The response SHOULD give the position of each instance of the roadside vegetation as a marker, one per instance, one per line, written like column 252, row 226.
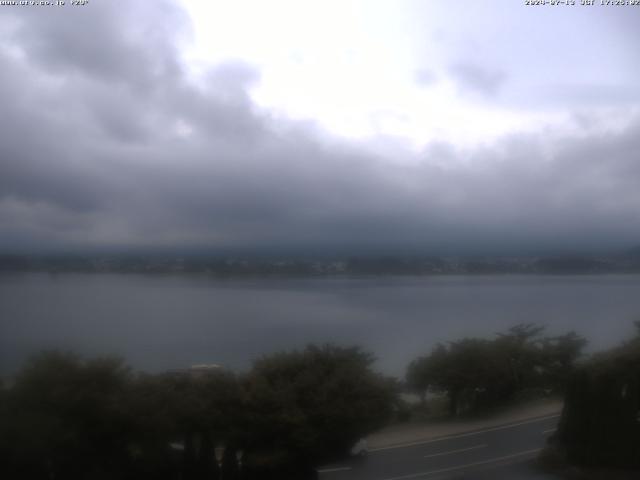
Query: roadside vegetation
column 476, row 374
column 64, row 417
column 600, row 423
column 68, row 418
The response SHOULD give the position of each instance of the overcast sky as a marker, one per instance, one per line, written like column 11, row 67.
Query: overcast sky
column 468, row 126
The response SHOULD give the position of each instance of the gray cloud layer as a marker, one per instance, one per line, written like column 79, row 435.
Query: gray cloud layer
column 106, row 143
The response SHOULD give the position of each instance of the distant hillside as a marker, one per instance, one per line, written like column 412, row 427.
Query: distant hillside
column 356, row 266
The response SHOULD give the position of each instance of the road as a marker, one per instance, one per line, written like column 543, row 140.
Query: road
column 499, row 452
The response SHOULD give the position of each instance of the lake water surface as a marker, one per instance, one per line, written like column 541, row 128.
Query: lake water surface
column 162, row 322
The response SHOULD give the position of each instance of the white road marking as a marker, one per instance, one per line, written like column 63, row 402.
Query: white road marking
column 544, row 432
column 337, row 469
column 462, row 435
column 484, row 445
column 468, row 465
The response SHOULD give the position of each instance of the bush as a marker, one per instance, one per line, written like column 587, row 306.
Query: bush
column 600, row 423
column 69, row 418
column 317, row 402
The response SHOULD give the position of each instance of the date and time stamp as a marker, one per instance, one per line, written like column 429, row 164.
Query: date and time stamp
column 45, row 3
column 584, row 3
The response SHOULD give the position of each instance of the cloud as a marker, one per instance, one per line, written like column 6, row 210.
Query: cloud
column 135, row 45
column 477, row 78
column 425, row 77
column 125, row 149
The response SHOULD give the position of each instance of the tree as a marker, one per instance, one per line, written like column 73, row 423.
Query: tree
column 478, row 373
column 559, row 356
column 66, row 419
column 193, row 409
column 469, row 371
column 306, row 406
column 427, row 372
column 520, row 347
column 600, row 420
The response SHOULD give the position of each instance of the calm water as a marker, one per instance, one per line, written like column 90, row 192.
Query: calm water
column 161, row 322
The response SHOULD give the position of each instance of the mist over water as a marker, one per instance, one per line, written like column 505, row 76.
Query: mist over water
column 163, row 322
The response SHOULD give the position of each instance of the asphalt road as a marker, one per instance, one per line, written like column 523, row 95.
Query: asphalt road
column 503, row 452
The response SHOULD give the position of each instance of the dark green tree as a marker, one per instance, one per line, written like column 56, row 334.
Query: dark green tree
column 65, row 418
column 192, row 410
column 600, row 421
column 558, row 358
column 428, row 372
column 478, row 373
column 306, row 406
column 469, row 371
column 521, row 349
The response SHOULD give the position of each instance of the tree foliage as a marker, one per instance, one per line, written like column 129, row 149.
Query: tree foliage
column 316, row 402
column 600, row 423
column 68, row 418
column 65, row 417
column 476, row 373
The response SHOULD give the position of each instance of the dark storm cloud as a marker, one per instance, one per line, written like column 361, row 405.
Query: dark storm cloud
column 36, row 163
column 108, row 143
column 112, row 42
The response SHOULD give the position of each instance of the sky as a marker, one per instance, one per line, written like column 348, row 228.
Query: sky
column 374, row 125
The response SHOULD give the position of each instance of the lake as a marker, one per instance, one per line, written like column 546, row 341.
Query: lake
column 170, row 321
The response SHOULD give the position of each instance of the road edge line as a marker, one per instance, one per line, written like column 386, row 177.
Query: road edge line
column 462, row 435
column 468, row 465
